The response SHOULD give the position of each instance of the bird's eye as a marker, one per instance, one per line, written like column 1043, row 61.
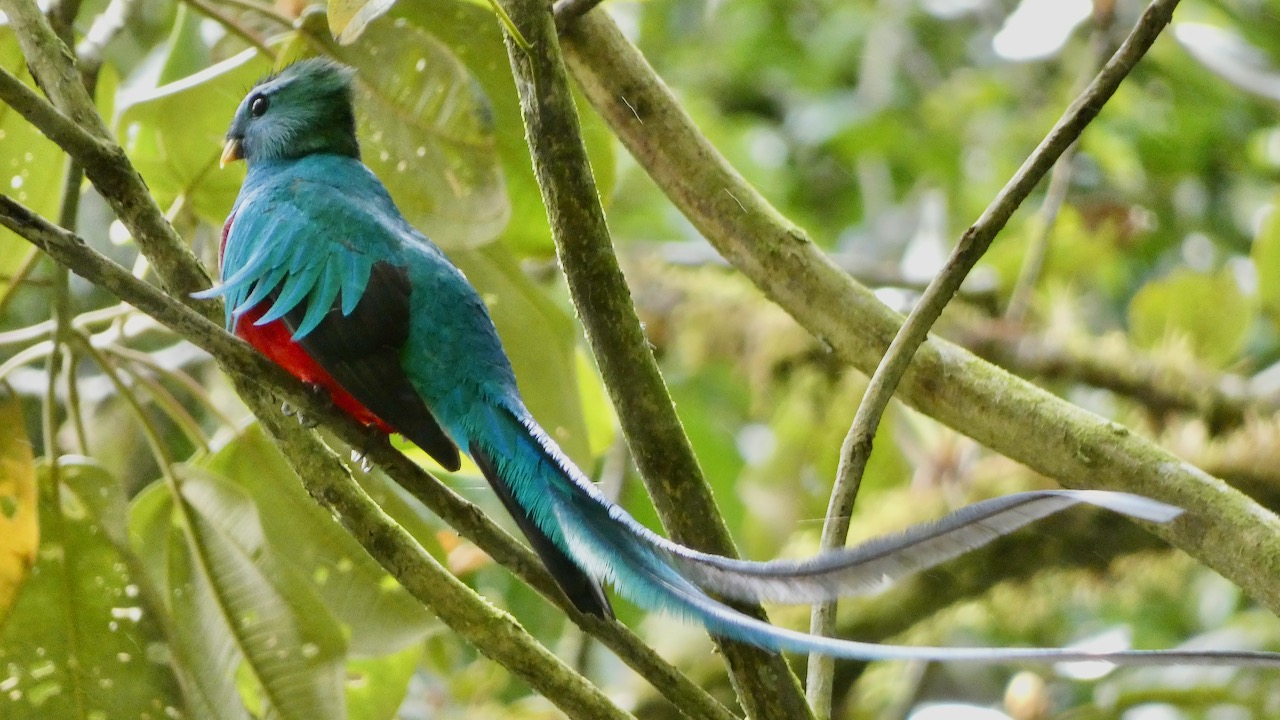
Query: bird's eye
column 258, row 106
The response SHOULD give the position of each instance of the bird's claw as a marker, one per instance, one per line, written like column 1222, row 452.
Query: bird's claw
column 307, row 422
column 361, row 458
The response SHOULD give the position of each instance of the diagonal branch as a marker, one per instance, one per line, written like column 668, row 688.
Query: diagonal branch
column 856, row 449
column 662, row 452
column 1011, row 416
column 337, row 491
column 324, row 476
column 105, row 164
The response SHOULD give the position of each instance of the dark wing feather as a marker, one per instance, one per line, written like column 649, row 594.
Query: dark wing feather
column 585, row 593
column 362, row 352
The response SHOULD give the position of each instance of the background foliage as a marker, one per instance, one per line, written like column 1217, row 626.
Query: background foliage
column 182, row 570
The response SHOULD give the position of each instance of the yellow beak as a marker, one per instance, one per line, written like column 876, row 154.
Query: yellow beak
column 230, row 153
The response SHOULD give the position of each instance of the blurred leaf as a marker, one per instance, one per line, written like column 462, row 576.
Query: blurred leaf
column 1231, row 57
column 1208, row 309
column 181, row 158
column 380, row 615
column 80, row 642
column 426, row 130
column 30, row 163
column 187, row 53
column 287, row 637
column 231, row 600
column 205, row 664
column 1266, row 260
column 468, row 29
column 19, row 516
column 376, row 687
column 348, row 18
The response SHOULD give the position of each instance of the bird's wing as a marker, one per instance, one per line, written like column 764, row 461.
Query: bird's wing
column 325, row 262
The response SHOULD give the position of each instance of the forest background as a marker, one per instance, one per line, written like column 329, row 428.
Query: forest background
column 182, row 570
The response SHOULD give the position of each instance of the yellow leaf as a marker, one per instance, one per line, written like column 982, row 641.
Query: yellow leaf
column 19, row 527
column 348, row 18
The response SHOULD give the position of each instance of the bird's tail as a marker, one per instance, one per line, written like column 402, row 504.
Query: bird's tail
column 608, row 544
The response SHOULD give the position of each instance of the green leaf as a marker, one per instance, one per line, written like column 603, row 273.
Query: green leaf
column 204, row 656
column 288, row 638
column 81, row 643
column 348, row 18
column 426, row 129
column 1266, row 258
column 19, row 516
column 232, row 601
column 187, row 53
column 376, row 687
column 30, row 164
column 181, row 158
column 1209, row 310
column 381, row 616
column 469, row 31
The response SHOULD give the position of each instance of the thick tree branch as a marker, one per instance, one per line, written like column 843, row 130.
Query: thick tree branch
column 1056, row 438
column 1160, row 384
column 765, row 684
column 241, row 362
column 116, row 179
column 179, row 269
column 566, row 11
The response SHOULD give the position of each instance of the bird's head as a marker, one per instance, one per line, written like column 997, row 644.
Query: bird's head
column 302, row 110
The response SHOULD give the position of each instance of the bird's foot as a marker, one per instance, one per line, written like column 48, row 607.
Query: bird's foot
column 304, row 420
column 360, row 455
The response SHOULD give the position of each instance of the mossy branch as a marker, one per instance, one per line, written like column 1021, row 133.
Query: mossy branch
column 766, row 686
column 1222, row 528
column 492, row 631
column 256, row 379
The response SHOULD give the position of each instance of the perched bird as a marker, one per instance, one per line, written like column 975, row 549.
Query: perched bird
column 322, row 273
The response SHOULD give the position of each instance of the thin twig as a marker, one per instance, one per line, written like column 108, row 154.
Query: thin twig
column 165, row 401
column 264, row 10
column 188, row 383
column 856, row 449
column 20, row 276
column 1059, row 182
column 234, row 26
column 82, row 321
column 150, row 432
column 76, row 413
column 1038, row 250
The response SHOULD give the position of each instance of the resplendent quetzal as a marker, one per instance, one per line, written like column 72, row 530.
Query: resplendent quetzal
column 322, row 273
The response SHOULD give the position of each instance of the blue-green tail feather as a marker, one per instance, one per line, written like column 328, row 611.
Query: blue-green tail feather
column 612, row 546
